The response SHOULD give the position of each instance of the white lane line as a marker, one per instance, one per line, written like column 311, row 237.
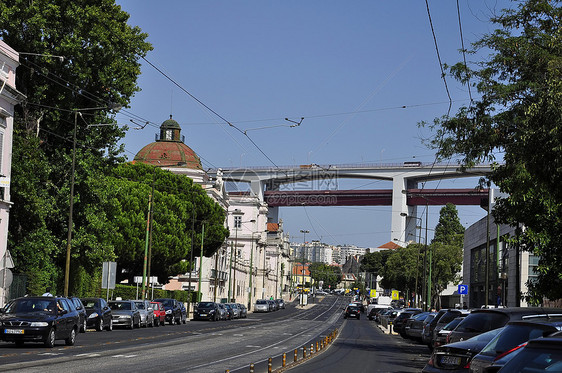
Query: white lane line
column 88, row 354
column 250, row 346
column 51, row 353
column 125, row 356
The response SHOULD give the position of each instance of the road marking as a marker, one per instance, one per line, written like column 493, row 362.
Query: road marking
column 51, row 353
column 238, row 335
column 250, row 346
column 88, row 354
column 125, row 356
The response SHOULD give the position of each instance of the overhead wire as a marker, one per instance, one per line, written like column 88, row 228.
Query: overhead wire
column 209, row 108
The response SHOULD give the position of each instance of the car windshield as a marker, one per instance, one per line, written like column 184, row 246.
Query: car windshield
column 482, row 322
column 166, row 302
column 511, row 336
column 448, row 317
column 453, row 324
column 90, row 303
column 261, row 302
column 140, row 305
column 205, row 305
column 126, row 306
column 31, row 305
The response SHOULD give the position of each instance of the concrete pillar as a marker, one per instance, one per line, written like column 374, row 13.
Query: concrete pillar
column 403, row 223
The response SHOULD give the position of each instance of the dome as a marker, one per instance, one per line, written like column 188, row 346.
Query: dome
column 169, row 150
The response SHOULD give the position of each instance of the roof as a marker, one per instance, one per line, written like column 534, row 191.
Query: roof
column 272, row 227
column 170, row 154
column 390, row 245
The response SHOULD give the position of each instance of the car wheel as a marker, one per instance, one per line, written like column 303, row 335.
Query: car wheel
column 110, row 325
column 83, row 327
column 138, row 325
column 132, row 324
column 100, row 325
column 50, row 340
column 184, row 321
column 156, row 322
column 71, row 338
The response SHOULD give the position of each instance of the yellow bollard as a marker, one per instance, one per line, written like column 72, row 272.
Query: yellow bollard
column 284, row 359
column 252, row 368
column 316, row 346
column 304, row 352
column 269, row 365
column 296, row 357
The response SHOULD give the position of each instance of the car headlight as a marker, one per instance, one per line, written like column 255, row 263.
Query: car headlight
column 37, row 324
column 168, row 312
column 212, row 311
column 93, row 315
column 125, row 316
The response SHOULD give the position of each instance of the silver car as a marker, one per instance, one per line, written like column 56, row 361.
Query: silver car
column 261, row 305
column 146, row 312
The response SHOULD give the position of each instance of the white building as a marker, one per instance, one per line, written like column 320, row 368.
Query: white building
column 9, row 97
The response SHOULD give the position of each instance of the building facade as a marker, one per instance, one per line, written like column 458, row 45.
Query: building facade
column 9, row 98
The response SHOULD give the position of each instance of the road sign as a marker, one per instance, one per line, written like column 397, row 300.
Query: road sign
column 109, row 271
column 373, row 293
column 463, row 289
column 395, row 295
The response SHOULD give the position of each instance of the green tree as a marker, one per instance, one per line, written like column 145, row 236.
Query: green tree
column 180, row 209
column 518, row 115
column 375, row 262
column 98, row 67
column 401, row 269
column 449, row 229
column 330, row 275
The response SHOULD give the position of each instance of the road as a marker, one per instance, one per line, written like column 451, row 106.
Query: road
column 201, row 346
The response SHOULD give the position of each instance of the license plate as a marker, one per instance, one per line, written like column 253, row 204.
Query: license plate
column 203, row 315
column 13, row 331
column 450, row 360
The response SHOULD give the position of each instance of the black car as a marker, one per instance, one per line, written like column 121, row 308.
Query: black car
column 539, row 355
column 352, row 310
column 455, row 357
column 447, row 317
column 206, row 311
column 39, row 319
column 173, row 310
column 398, row 323
column 77, row 304
column 482, row 320
column 99, row 314
column 513, row 335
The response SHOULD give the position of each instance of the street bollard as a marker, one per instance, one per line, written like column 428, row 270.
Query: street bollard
column 311, row 348
column 284, row 359
column 227, row 371
column 252, row 368
column 269, row 365
column 316, row 346
column 304, row 352
column 296, row 357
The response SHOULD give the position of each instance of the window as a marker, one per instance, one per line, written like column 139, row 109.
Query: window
column 237, row 222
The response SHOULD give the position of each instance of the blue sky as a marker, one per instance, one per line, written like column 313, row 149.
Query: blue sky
column 362, row 73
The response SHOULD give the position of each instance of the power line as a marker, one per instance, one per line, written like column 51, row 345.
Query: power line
column 208, row 108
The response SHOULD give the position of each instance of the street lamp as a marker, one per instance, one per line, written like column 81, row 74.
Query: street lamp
column 251, row 270
column 304, row 232
column 77, row 112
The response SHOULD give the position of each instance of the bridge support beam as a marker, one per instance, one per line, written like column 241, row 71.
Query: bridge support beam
column 403, row 225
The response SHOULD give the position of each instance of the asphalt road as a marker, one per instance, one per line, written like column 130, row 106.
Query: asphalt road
column 201, row 346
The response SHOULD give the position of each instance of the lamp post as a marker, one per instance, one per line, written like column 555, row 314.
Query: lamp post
column 304, row 232
column 71, row 202
column 251, row 271
column 201, row 263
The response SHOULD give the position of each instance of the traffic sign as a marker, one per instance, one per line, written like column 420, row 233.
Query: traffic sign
column 395, row 295
column 463, row 289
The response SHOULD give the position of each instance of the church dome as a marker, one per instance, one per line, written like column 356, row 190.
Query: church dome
column 169, row 150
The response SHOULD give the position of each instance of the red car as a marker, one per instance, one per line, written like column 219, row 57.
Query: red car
column 159, row 313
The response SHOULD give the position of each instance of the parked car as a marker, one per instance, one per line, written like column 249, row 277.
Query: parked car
column 229, row 310
column 99, row 314
column 514, row 335
column 159, row 313
column 183, row 313
column 280, row 303
column 398, row 323
column 539, row 355
column 272, row 305
column 455, row 357
column 482, row 320
column 125, row 313
column 207, row 311
column 426, row 335
column 146, row 312
column 352, row 310
column 173, row 310
column 441, row 337
column 224, row 314
column 77, row 304
column 243, row 311
column 374, row 309
column 414, row 326
column 262, row 305
column 39, row 319
column 235, row 310
column 446, row 318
